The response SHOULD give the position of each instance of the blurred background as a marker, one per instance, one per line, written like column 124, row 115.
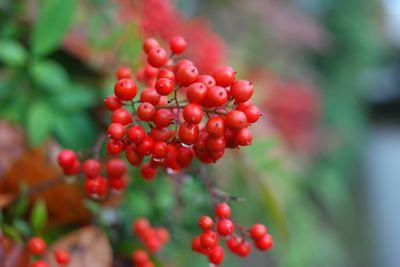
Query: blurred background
column 323, row 170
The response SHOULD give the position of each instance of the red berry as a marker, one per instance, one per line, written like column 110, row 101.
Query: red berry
column 216, row 255
column 164, row 86
column 146, row 146
column 183, row 62
column 125, row 89
column 242, row 90
column 209, row 240
column 196, row 93
column 62, row 257
column 114, row 147
column 186, row 75
column 184, row 156
column 205, row 223
column 140, row 225
column 162, row 235
column 134, row 158
column 91, row 168
column 163, row 118
column 37, row 246
column 121, row 115
column 236, row 120
column 146, row 111
column 196, row 246
column 265, row 243
column 39, row 263
column 215, row 144
column 140, row 257
column 123, row 73
column 201, row 141
column 217, row 96
column 258, row 231
column 136, row 134
column 96, row 186
column 75, row 169
column 177, row 45
column 116, row 168
column 225, row 227
column 188, row 133
column 166, row 73
column 160, row 150
column 149, row 72
column 66, row 158
column 233, row 243
column 215, row 126
column 243, row 249
column 149, row 44
column 150, row 95
column 117, row 183
column 243, row 105
column 207, row 80
column 224, row 76
column 148, row 264
column 243, row 137
column 157, row 57
column 116, row 131
column 252, row 114
column 148, row 172
column 193, row 113
column 222, row 210
column 112, row 102
column 161, row 134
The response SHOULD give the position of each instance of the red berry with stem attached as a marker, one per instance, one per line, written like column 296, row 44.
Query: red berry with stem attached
column 207, row 80
column 205, row 223
column 186, row 75
column 91, row 168
column 112, row 102
column 123, row 73
column 146, row 111
column 39, row 263
column 160, row 150
column 66, row 158
column 149, row 44
column 134, row 158
column 225, row 227
column 184, row 156
column 188, row 133
column 116, row 168
column 116, row 131
column 121, row 115
column 215, row 126
column 140, row 257
column 193, row 113
column 243, row 137
column 242, row 90
column 177, row 45
column 216, row 255
column 157, row 57
column 163, row 118
column 196, row 93
column 114, row 147
column 252, row 113
column 258, row 231
column 224, row 76
column 62, row 257
column 217, row 96
column 125, row 89
column 148, row 172
column 36, row 246
column 236, row 120
column 222, row 210
column 146, row 146
column 164, row 86
column 150, row 95
column 265, row 243
column 209, row 240
column 136, row 134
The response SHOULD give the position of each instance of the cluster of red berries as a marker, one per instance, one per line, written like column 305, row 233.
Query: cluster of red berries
column 180, row 115
column 153, row 239
column 96, row 185
column 37, row 247
column 207, row 243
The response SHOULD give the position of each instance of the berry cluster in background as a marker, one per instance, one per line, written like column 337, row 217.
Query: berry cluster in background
column 37, row 248
column 224, row 228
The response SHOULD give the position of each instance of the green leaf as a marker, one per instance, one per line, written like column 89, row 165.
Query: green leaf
column 22, row 227
column 12, row 53
column 39, row 122
column 11, row 232
column 21, row 205
column 50, row 76
column 53, row 22
column 38, row 216
column 74, row 99
column 92, row 206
